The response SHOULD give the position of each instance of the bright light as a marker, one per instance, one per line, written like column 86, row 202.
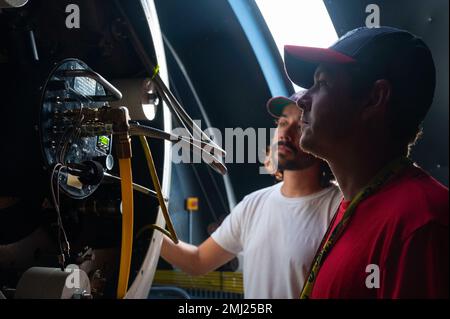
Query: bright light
column 298, row 22
column 149, row 111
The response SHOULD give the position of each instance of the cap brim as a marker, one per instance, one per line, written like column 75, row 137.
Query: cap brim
column 276, row 105
column 301, row 62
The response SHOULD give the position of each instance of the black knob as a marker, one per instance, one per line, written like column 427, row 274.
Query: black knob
column 92, row 173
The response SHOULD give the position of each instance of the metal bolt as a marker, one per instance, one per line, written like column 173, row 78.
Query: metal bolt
column 86, row 296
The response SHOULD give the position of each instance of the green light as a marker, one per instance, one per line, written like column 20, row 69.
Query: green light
column 103, row 140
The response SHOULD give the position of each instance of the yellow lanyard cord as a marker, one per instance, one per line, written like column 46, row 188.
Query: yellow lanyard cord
column 388, row 171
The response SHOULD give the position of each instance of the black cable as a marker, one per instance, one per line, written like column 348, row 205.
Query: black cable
column 222, row 200
column 61, row 231
column 142, row 53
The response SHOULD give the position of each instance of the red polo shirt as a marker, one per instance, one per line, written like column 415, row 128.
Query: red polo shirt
column 402, row 229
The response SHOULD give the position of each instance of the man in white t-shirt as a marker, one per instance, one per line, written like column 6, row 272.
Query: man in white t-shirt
column 279, row 228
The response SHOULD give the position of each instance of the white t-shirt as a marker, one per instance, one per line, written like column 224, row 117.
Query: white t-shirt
column 279, row 237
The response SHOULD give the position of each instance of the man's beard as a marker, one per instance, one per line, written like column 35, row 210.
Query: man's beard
column 299, row 161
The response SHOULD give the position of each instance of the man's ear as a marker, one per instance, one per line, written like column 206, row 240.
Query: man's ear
column 378, row 100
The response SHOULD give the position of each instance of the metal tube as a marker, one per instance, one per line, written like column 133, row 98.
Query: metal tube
column 33, row 45
column 190, row 227
column 212, row 161
column 93, row 75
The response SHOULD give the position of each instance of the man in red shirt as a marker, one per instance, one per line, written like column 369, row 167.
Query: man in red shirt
column 368, row 95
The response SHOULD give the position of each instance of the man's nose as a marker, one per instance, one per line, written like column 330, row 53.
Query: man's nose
column 304, row 102
column 288, row 132
column 283, row 135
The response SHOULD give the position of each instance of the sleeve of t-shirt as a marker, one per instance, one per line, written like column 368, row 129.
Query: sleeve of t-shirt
column 229, row 235
column 420, row 269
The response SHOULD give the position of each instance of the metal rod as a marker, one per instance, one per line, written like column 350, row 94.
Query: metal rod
column 190, row 227
column 210, row 159
column 136, row 187
column 95, row 76
column 33, row 45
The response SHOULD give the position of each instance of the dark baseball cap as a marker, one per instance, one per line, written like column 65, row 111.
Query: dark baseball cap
column 276, row 104
column 390, row 53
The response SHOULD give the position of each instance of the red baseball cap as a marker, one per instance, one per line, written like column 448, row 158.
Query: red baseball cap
column 386, row 50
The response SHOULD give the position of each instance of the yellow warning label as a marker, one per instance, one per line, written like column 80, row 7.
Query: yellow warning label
column 192, row 203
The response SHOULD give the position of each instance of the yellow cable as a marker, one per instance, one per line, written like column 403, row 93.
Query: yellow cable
column 127, row 225
column 151, row 166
